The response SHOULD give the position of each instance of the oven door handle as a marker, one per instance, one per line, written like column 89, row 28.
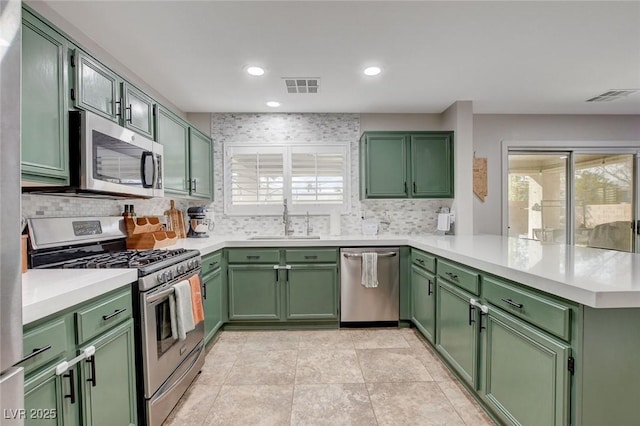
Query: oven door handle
column 158, row 296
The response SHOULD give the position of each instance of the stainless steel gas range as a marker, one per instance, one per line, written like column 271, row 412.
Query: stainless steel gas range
column 166, row 366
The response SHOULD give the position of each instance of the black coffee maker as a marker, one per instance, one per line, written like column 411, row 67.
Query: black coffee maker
column 199, row 223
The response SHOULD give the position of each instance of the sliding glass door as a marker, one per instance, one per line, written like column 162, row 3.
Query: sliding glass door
column 600, row 191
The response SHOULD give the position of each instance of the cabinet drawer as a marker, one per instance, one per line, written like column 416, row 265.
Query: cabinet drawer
column 423, row 260
column 103, row 315
column 462, row 277
column 254, row 256
column 311, row 255
column 49, row 340
column 211, row 262
column 545, row 313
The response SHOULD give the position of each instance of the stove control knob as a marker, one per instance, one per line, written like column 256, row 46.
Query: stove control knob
column 171, row 274
column 167, row 276
column 181, row 269
column 160, row 278
column 193, row 264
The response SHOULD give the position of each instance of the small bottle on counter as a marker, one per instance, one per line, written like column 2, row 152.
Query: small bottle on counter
column 132, row 213
column 126, row 213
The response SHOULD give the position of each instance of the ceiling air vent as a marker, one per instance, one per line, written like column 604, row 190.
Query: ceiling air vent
column 302, row 84
column 612, row 95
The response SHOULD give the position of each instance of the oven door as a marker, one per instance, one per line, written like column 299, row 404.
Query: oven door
column 162, row 354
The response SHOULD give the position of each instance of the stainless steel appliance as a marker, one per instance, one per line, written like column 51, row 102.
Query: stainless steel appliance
column 362, row 304
column 199, row 223
column 166, row 366
column 11, row 378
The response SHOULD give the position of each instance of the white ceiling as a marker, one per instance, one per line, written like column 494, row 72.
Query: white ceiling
column 507, row 57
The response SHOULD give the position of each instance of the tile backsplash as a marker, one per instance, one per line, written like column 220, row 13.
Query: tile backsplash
column 406, row 216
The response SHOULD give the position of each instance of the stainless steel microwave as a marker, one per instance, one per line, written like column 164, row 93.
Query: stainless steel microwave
column 107, row 158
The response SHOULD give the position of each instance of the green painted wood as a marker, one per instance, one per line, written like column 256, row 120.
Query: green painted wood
column 44, row 401
column 212, row 301
column 432, row 165
column 543, row 312
column 526, row 377
column 53, row 334
column 459, row 275
column 45, row 128
column 312, row 292
column 405, row 284
column 138, row 111
column 173, row 133
column 90, row 320
column 254, row 255
column 385, row 166
column 423, row 301
column 211, row 262
column 96, row 86
column 113, row 400
column 254, row 293
column 312, row 255
column 201, row 164
column 456, row 340
column 423, row 260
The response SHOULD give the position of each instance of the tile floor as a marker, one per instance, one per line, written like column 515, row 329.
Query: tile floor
column 325, row 377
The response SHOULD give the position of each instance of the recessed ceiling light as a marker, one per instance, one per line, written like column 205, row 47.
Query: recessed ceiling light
column 273, row 104
column 257, row 71
column 372, row 71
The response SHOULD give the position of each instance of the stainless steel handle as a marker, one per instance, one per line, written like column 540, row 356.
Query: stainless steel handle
column 358, row 255
column 159, row 296
column 512, row 303
column 92, row 377
column 130, row 119
column 116, row 312
column 195, row 185
column 35, row 352
column 452, row 275
column 430, row 288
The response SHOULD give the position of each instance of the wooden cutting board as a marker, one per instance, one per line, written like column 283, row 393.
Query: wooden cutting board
column 176, row 220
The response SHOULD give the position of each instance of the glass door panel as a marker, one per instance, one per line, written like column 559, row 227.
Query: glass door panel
column 604, row 196
column 537, row 196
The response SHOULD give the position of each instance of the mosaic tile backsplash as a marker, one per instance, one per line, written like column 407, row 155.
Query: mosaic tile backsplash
column 406, row 216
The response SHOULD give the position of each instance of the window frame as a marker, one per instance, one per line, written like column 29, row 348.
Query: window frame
column 286, row 148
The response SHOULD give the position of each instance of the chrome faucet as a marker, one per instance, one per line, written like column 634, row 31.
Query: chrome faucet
column 309, row 227
column 286, row 220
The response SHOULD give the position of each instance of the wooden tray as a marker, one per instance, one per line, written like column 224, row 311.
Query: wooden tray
column 143, row 224
column 151, row 240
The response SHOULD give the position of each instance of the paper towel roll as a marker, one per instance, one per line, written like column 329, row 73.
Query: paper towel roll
column 334, row 222
column 444, row 222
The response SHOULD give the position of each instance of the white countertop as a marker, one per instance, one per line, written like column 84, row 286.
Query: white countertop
column 592, row 277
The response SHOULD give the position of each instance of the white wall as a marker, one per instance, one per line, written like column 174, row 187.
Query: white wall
column 201, row 120
column 490, row 129
column 400, row 122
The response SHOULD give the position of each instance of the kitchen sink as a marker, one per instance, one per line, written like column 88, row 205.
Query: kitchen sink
column 282, row 237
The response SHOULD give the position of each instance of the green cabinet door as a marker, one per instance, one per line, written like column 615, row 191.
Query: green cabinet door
column 173, row 133
column 45, row 139
column 385, row 166
column 423, row 301
column 96, row 87
column 212, row 300
column 201, row 161
column 254, row 293
column 526, row 380
column 47, row 399
column 109, row 383
column 432, row 165
column 138, row 111
column 457, row 331
column 312, row 292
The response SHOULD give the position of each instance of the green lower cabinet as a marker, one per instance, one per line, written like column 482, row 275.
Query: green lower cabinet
column 253, row 293
column 526, row 381
column 108, row 388
column 457, row 331
column 47, row 399
column 312, row 292
column 423, row 302
column 212, row 301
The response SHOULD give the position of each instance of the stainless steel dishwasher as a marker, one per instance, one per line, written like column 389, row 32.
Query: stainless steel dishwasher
column 361, row 304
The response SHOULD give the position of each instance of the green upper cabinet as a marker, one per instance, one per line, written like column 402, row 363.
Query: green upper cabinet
column 431, row 166
column 96, row 87
column 138, row 110
column 173, row 133
column 406, row 165
column 200, row 164
column 45, row 138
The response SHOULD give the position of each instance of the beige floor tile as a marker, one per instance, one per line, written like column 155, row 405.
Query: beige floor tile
column 223, row 347
column 418, row 403
column 392, row 365
column 464, row 404
column 234, row 336
column 434, row 366
column 378, row 338
column 263, row 368
column 252, row 405
column 272, row 341
column 332, row 405
column 214, row 373
column 326, row 339
column 194, row 406
column 328, row 366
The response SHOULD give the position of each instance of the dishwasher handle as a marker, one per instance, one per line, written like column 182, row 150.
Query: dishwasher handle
column 359, row 255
